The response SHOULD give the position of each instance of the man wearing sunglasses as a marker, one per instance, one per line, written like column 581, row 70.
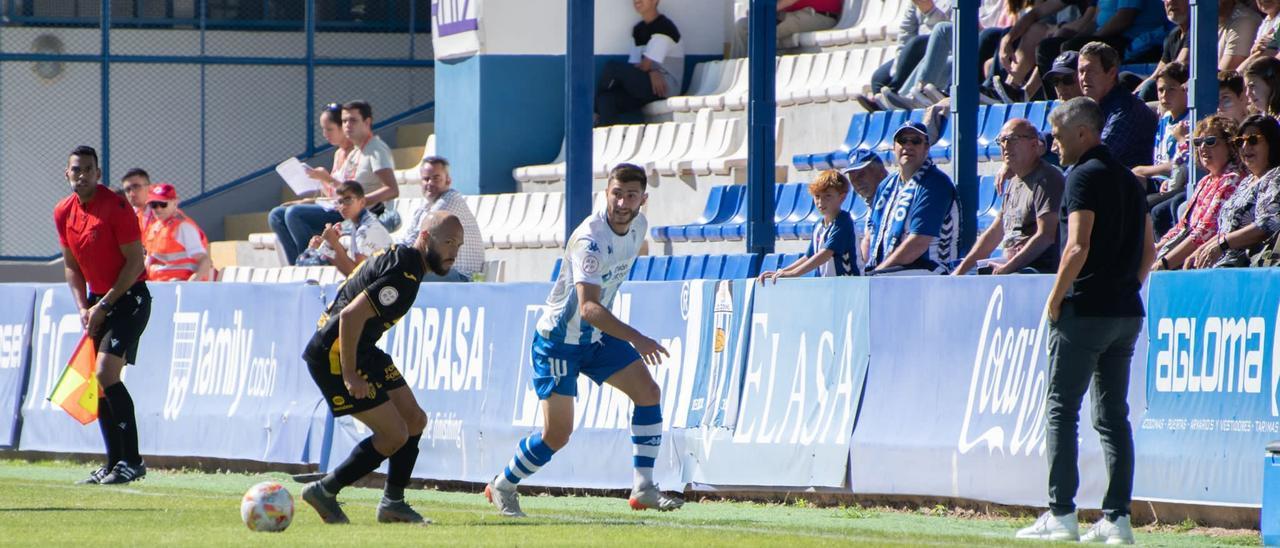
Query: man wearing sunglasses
column 1062, row 77
column 915, row 223
column 177, row 250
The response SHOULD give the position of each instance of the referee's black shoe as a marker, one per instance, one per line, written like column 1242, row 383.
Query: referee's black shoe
column 125, row 473
column 96, row 476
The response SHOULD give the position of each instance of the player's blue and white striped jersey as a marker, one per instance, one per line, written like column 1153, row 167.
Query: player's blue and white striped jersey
column 594, row 255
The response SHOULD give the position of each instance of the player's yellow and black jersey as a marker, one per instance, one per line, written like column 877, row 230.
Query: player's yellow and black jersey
column 389, row 280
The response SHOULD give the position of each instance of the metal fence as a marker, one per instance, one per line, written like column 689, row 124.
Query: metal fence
column 200, row 93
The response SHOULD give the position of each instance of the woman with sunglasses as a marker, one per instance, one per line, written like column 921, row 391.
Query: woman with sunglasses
column 297, row 221
column 1200, row 223
column 1252, row 213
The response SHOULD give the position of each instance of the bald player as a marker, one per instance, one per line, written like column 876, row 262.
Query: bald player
column 356, row 378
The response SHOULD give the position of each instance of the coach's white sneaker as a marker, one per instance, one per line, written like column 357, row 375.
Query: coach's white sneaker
column 506, row 501
column 1110, row 532
column 644, row 498
column 1051, row 527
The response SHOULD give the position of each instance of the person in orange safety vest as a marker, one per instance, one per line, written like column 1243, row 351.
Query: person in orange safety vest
column 177, row 249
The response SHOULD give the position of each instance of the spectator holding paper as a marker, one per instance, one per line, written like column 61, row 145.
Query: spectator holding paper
column 297, row 221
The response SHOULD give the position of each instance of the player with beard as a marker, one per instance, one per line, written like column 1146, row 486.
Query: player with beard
column 578, row 334
column 357, row 378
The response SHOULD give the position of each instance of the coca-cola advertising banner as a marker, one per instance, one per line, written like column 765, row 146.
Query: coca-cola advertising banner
column 955, row 396
column 1213, row 386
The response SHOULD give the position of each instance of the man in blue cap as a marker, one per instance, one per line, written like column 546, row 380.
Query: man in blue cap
column 865, row 172
column 914, row 226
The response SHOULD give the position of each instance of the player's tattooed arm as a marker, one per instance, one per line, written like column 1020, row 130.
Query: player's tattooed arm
column 350, row 326
column 601, row 318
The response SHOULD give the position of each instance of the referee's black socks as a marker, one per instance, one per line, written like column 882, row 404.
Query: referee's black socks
column 400, row 467
column 363, row 460
column 110, row 431
column 123, row 422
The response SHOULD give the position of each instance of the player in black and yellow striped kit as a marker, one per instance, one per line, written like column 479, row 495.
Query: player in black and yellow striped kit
column 357, row 378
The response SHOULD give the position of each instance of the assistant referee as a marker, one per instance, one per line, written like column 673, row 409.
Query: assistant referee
column 102, row 249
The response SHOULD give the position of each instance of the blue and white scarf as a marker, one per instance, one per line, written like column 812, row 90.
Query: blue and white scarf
column 898, row 198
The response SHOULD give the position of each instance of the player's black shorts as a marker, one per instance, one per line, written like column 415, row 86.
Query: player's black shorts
column 125, row 323
column 372, row 364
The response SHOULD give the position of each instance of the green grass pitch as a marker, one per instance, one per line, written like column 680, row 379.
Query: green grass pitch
column 41, row 506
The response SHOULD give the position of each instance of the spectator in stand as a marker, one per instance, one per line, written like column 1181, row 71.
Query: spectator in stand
column 923, row 87
column 1014, row 77
column 346, row 244
column 1252, row 214
column 1062, row 77
column 1232, row 102
column 137, row 187
column 1135, row 29
column 1175, row 45
column 1262, row 86
column 794, row 16
column 1026, row 227
column 177, row 250
column 919, row 20
column 833, row 250
column 1130, row 125
column 370, row 164
column 437, row 187
column 1095, row 314
column 1171, row 79
column 295, row 222
column 1267, row 43
column 865, row 172
column 914, row 225
column 1218, row 157
column 1237, row 29
column 654, row 70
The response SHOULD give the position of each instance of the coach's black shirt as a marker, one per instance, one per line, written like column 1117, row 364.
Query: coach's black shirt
column 1108, row 284
column 389, row 280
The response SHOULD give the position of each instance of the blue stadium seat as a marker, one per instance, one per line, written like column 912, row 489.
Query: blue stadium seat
column 877, row 126
column 884, row 147
column 858, row 208
column 740, row 266
column 800, row 226
column 771, row 262
column 736, row 228
column 996, row 115
column 658, row 268
column 676, row 234
column 853, row 136
column 640, row 268
column 941, row 150
column 787, row 201
column 676, row 267
column 712, row 268
column 991, row 152
column 1038, row 114
column 733, row 201
column 697, row 264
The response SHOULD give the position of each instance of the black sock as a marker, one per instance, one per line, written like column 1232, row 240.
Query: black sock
column 364, row 459
column 400, row 468
column 110, row 432
column 124, row 422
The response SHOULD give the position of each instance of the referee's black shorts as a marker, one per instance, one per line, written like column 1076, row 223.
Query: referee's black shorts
column 124, row 325
column 374, row 365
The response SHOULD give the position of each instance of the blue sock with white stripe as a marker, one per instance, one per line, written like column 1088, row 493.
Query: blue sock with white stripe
column 531, row 455
column 646, row 436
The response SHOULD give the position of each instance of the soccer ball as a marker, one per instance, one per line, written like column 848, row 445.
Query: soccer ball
column 267, row 506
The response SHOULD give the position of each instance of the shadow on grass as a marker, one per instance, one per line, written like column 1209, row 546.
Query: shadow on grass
column 70, row 509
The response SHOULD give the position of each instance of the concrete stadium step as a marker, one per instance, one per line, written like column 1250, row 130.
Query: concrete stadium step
column 240, row 226
column 407, row 157
column 414, row 134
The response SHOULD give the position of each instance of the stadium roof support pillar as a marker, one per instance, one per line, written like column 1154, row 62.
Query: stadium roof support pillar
column 964, row 115
column 762, row 44
column 1203, row 86
column 579, row 64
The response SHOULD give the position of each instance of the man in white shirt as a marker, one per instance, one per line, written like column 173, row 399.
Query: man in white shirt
column 578, row 334
column 370, row 162
column 654, row 70
column 437, row 186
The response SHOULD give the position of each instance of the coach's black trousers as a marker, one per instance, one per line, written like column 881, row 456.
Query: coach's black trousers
column 1090, row 353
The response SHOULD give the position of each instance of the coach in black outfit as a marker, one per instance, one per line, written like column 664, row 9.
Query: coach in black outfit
column 1095, row 315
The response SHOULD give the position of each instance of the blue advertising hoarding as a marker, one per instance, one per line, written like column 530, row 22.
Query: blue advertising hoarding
column 15, row 343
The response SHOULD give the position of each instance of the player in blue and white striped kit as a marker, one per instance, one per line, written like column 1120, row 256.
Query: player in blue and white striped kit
column 578, row 334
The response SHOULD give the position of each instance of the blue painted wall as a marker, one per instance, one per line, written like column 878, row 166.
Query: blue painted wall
column 495, row 113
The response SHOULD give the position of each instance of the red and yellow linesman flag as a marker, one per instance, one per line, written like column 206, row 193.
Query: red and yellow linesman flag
column 76, row 391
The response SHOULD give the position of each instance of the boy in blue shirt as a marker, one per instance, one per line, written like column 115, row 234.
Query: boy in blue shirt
column 834, row 247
